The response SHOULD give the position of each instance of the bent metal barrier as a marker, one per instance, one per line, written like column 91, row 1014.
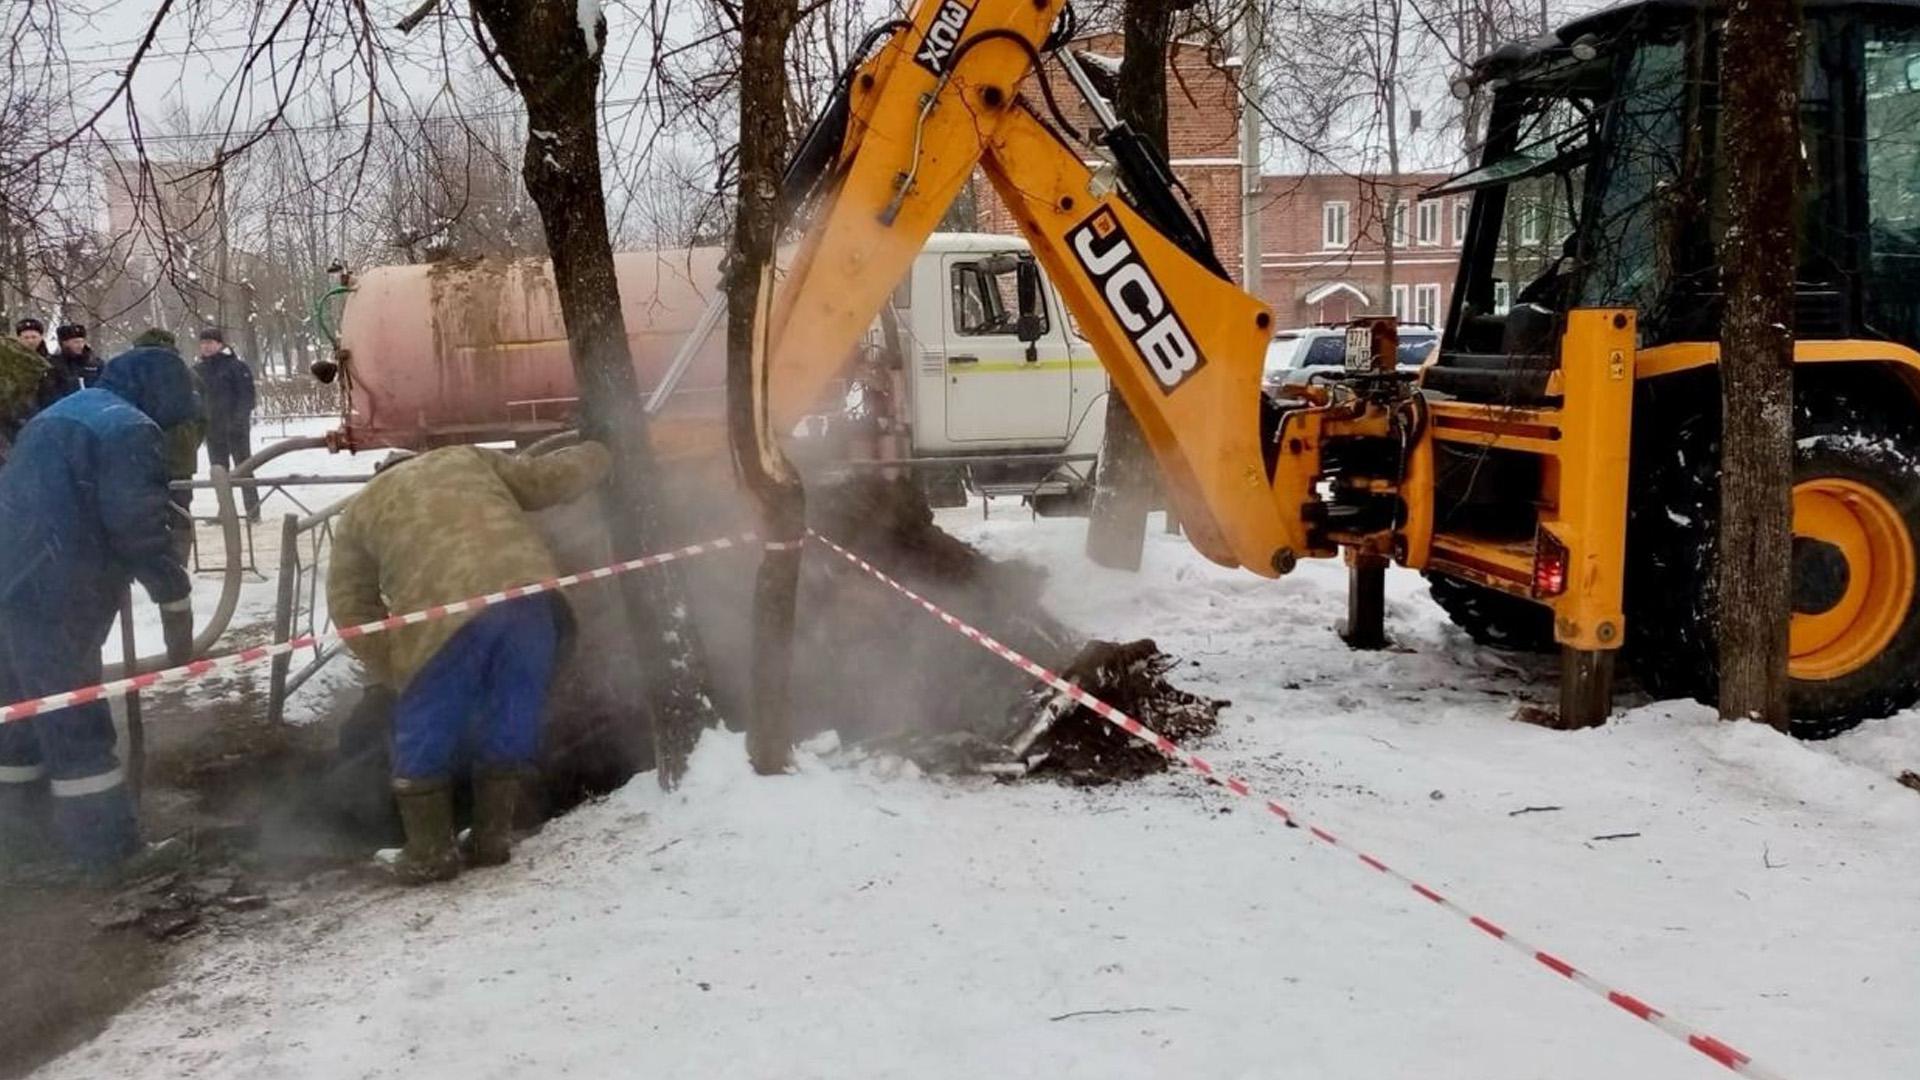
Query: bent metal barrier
column 1707, row 1045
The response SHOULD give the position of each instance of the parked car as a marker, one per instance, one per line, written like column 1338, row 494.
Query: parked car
column 1295, row 356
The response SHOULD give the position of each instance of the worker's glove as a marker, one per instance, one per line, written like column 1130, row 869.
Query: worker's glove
column 176, row 624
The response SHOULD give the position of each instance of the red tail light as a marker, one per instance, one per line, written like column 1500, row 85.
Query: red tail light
column 1549, row 565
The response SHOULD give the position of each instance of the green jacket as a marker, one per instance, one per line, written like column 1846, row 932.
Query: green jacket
column 449, row 524
column 21, row 373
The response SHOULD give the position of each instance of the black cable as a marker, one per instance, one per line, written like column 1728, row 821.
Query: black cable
column 885, row 29
column 1039, row 71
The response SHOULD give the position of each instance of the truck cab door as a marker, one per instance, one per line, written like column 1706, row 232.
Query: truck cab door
column 1009, row 377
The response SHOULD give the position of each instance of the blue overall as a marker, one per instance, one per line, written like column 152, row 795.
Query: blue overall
column 83, row 511
column 483, row 692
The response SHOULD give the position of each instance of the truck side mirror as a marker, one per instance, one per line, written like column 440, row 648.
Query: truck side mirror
column 1033, row 308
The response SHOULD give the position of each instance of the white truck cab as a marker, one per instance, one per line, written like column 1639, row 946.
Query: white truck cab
column 991, row 368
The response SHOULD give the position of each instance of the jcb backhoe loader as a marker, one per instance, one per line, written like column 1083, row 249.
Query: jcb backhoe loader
column 1553, row 471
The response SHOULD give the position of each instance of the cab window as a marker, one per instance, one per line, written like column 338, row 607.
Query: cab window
column 986, row 301
column 1892, row 152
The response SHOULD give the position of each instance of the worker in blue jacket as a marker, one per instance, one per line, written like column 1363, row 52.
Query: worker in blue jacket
column 83, row 511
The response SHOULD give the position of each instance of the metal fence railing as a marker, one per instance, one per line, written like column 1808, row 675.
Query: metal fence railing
column 306, row 541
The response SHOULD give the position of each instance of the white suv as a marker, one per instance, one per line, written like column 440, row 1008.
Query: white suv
column 1295, row 356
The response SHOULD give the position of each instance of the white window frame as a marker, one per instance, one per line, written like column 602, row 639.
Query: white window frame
column 1462, row 212
column 1400, row 302
column 1428, row 297
column 1428, row 223
column 1397, row 229
column 1532, row 222
column 1502, row 297
column 1335, row 221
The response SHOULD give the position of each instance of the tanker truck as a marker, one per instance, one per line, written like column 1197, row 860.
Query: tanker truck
column 972, row 375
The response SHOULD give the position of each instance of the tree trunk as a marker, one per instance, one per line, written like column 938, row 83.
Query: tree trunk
column 1760, row 84
column 557, row 73
column 764, row 28
column 1126, row 479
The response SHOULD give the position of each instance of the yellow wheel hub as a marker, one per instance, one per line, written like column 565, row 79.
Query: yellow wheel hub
column 1854, row 540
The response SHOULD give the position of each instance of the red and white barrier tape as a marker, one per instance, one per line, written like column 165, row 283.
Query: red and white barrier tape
column 199, row 668
column 1698, row 1040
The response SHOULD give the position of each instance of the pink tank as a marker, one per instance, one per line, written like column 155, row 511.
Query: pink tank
column 475, row 351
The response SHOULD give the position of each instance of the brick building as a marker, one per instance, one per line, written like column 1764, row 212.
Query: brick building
column 1203, row 128
column 1322, row 236
column 1323, row 249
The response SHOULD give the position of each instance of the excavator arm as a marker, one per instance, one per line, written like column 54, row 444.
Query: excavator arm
column 1181, row 343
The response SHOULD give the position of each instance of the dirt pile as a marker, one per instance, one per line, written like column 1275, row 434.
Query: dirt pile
column 1072, row 741
column 893, row 678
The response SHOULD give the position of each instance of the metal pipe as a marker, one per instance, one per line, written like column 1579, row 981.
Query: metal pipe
column 289, row 480
column 559, row 440
column 283, row 617
column 136, row 725
column 307, row 523
column 274, row 450
column 982, row 459
column 689, row 347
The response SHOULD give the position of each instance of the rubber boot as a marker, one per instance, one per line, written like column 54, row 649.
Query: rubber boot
column 26, row 834
column 496, row 796
column 426, row 812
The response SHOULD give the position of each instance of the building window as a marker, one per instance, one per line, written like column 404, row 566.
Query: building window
column 1532, row 223
column 1399, row 230
column 1502, row 298
column 1400, row 301
column 1426, row 304
column 1428, row 223
column 1333, row 224
column 1461, row 208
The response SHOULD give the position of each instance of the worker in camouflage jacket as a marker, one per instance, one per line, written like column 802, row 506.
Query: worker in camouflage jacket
column 22, row 371
column 443, row 526
column 83, row 512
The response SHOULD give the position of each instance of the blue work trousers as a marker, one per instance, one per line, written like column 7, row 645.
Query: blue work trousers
column 486, row 689
column 66, row 755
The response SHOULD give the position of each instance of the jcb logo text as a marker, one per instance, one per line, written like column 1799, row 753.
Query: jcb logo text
column 1135, row 298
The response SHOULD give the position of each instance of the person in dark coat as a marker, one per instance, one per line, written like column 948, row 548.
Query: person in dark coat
column 228, row 384
column 83, row 512
column 83, row 367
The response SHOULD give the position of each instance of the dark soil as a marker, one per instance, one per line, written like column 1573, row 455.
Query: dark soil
column 250, row 801
column 1130, row 677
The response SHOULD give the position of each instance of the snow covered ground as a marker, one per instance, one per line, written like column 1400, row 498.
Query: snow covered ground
column 857, row 919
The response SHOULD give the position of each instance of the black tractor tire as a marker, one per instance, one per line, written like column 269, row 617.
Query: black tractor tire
column 1673, row 538
column 1491, row 617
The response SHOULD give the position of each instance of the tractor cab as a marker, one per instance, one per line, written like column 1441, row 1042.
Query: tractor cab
column 1598, row 186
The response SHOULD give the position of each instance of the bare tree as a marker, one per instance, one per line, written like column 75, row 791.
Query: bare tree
column 764, row 29
column 1127, row 480
column 1760, row 79
column 551, row 51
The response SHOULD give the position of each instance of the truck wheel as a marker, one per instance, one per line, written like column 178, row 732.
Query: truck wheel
column 944, row 488
column 1854, row 649
column 1491, row 617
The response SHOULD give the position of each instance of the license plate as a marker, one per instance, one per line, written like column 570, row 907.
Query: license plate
column 1360, row 348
